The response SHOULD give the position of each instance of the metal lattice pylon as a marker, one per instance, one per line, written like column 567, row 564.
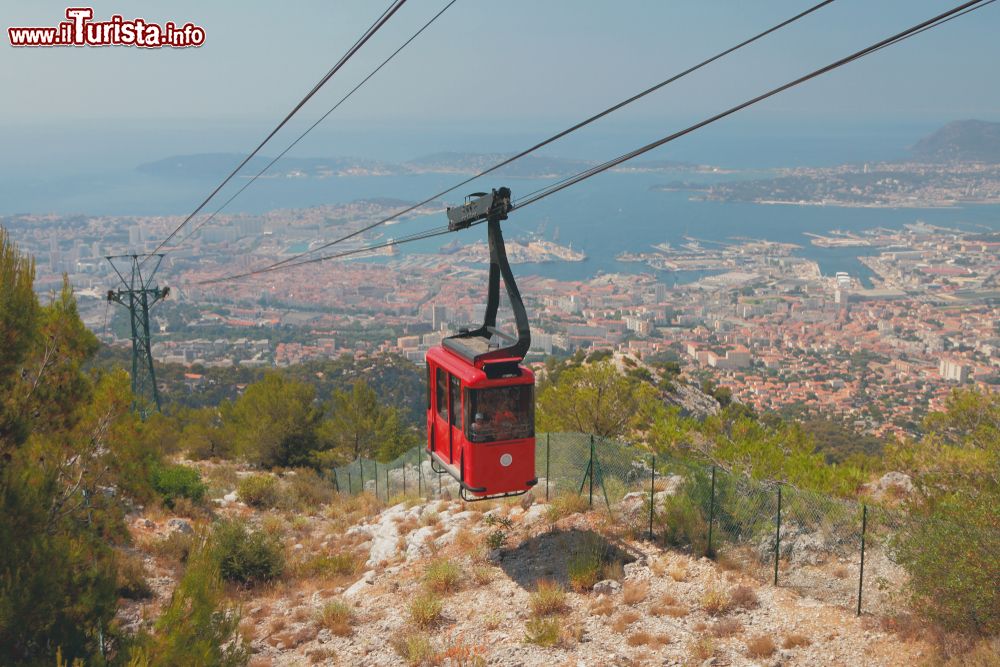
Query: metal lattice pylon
column 138, row 295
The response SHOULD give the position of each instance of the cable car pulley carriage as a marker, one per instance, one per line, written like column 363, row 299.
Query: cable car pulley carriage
column 480, row 399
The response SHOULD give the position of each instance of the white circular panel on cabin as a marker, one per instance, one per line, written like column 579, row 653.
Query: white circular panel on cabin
column 506, row 460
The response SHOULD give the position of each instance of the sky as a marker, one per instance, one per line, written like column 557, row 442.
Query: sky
column 512, row 69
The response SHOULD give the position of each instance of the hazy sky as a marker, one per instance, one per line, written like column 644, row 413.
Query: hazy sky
column 531, row 65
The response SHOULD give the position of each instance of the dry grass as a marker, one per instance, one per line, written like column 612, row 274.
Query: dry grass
column 415, row 649
column 743, row 597
column 564, row 505
column 337, row 617
column 795, row 640
column 248, row 630
column 634, row 592
column 643, row 638
column 425, row 609
column 659, row 567
column 626, row 619
column 727, row 627
column 761, row 646
column 543, row 631
column 550, row 598
column 295, row 638
column 603, row 606
column 640, row 638
column 613, row 570
column 442, row 576
column 668, row 605
column 482, row 574
column 840, row 572
column 678, row 572
column 429, row 518
column 715, row 602
column 702, row 648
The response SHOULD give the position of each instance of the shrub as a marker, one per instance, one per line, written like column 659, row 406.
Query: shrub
column 482, row 574
column 701, row 648
column 564, row 505
column 744, row 597
column 761, row 646
column 727, row 627
column 247, row 557
column 715, row 602
column 196, row 628
column 603, row 606
column 176, row 546
column 543, row 631
column 635, row 592
column 622, row 622
column 307, row 490
column 682, row 523
column 584, row 567
column 335, row 565
column 951, row 557
column 259, row 491
column 131, row 578
column 496, row 539
column 414, row 648
column 425, row 609
column 337, row 617
column 178, row 481
column 442, row 576
column 795, row 641
column 550, row 598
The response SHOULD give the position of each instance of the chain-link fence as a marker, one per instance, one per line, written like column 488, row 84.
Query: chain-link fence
column 832, row 549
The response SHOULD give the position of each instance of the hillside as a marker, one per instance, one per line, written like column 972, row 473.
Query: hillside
column 416, row 583
column 961, row 141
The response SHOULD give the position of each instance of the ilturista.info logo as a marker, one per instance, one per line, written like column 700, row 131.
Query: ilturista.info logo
column 80, row 29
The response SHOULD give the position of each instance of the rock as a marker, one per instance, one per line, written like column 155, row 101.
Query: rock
column 893, row 484
column 359, row 586
column 495, row 555
column 180, row 526
column 527, row 500
column 534, row 514
column 297, row 547
column 144, row 523
column 231, row 497
column 607, row 587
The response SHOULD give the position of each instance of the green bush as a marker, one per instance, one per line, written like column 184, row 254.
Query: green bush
column 247, row 557
column 197, row 627
column 951, row 557
column 178, row 481
column 682, row 524
column 259, row 491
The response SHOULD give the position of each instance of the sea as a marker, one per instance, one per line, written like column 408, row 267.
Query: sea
column 603, row 216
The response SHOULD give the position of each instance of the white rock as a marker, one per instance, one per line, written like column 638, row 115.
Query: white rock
column 359, row 586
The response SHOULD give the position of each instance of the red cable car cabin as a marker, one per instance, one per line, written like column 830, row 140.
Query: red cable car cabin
column 481, row 399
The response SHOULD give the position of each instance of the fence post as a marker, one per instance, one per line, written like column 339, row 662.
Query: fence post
column 777, row 538
column 591, row 492
column 652, row 492
column 387, row 483
column 336, row 482
column 711, row 517
column 547, row 438
column 861, row 574
column 376, row 479
column 404, row 477
column 420, row 476
column 361, row 473
column 350, row 485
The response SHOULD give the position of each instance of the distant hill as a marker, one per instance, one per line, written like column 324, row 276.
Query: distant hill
column 961, row 141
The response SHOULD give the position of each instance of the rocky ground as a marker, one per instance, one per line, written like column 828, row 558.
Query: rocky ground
column 449, row 583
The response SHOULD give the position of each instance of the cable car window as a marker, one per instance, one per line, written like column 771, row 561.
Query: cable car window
column 500, row 413
column 456, row 402
column 442, row 393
